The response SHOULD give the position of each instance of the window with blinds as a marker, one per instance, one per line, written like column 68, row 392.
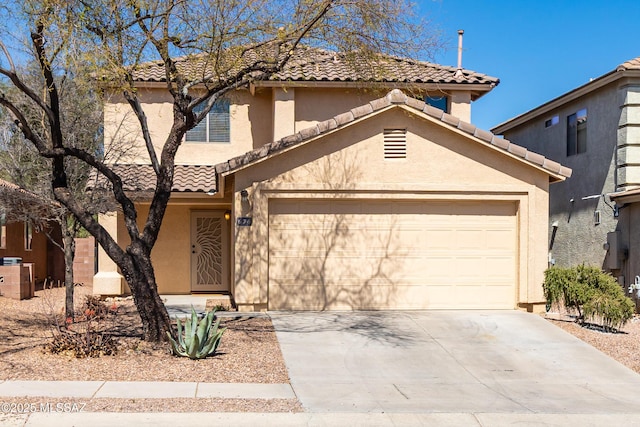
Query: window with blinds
column 213, row 128
column 395, row 144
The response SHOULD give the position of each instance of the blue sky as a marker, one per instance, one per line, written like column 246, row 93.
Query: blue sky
column 538, row 49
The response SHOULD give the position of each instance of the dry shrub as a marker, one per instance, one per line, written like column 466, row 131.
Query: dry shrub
column 86, row 336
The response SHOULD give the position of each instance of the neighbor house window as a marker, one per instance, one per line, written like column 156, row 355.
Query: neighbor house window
column 577, row 132
column 214, row 127
column 441, row 102
column 28, row 236
column 552, row 121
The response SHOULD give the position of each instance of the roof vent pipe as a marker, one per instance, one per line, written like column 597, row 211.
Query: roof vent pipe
column 458, row 73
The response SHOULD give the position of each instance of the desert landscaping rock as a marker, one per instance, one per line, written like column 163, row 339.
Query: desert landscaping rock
column 249, row 353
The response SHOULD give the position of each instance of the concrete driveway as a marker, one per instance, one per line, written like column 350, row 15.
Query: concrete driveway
column 499, row 362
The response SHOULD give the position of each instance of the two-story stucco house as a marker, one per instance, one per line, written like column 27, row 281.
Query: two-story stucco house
column 595, row 130
column 326, row 188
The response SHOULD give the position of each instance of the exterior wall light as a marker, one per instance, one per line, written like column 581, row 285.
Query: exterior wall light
column 227, row 215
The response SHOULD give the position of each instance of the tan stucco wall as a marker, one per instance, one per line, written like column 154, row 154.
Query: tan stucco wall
column 256, row 119
column 171, row 256
column 461, row 105
column 250, row 127
column 442, row 164
column 315, row 105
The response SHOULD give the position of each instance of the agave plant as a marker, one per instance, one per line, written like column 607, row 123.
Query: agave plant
column 199, row 340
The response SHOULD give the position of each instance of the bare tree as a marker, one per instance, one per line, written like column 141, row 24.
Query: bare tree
column 223, row 45
column 21, row 164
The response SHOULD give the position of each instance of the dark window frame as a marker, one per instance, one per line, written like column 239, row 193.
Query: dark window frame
column 577, row 132
column 215, row 128
column 552, row 121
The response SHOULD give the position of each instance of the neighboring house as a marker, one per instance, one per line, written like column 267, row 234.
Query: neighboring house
column 595, row 130
column 21, row 239
column 322, row 190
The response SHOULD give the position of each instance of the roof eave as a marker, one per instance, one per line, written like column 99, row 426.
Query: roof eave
column 477, row 89
column 625, row 197
column 554, row 170
column 494, row 145
column 564, row 99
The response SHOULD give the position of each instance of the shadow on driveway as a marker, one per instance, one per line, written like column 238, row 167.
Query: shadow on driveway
column 447, row 361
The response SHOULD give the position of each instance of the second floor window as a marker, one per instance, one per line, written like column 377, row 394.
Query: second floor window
column 551, row 122
column 577, row 132
column 440, row 102
column 214, row 127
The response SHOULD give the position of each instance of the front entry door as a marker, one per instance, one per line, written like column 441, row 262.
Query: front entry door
column 209, row 250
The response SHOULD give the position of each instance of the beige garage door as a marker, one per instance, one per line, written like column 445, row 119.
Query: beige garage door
column 372, row 254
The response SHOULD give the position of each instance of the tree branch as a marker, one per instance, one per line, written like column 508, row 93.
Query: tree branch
column 134, row 102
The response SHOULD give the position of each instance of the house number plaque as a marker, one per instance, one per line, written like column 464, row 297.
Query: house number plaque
column 244, row 221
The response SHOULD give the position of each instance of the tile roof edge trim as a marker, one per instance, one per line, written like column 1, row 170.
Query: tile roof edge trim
column 503, row 146
column 394, row 99
column 283, row 145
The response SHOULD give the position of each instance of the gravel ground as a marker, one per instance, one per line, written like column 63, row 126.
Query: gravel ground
column 249, row 353
column 623, row 346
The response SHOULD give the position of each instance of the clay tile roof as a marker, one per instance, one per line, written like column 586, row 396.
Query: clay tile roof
column 394, row 98
column 632, row 64
column 313, row 64
column 19, row 203
column 187, row 178
column 9, row 187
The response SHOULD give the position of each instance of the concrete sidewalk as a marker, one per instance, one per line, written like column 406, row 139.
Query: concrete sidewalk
column 142, row 390
column 96, row 419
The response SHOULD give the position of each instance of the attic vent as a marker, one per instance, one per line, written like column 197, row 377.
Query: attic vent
column 395, row 144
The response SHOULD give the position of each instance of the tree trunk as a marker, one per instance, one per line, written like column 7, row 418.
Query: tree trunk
column 155, row 318
column 69, row 254
column 144, row 289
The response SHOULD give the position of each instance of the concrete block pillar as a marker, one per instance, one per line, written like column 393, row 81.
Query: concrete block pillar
column 628, row 149
column 108, row 280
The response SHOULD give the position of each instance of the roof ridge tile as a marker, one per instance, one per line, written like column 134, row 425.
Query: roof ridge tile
column 362, row 111
column 517, row 150
column 344, row 118
column 450, row 119
column 379, row 103
column 433, row 111
column 394, row 97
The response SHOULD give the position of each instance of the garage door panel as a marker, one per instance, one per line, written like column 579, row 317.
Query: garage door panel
column 367, row 255
column 499, row 267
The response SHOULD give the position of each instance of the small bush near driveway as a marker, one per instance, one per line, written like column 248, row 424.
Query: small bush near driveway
column 595, row 295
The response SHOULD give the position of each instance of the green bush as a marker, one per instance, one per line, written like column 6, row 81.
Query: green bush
column 596, row 295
